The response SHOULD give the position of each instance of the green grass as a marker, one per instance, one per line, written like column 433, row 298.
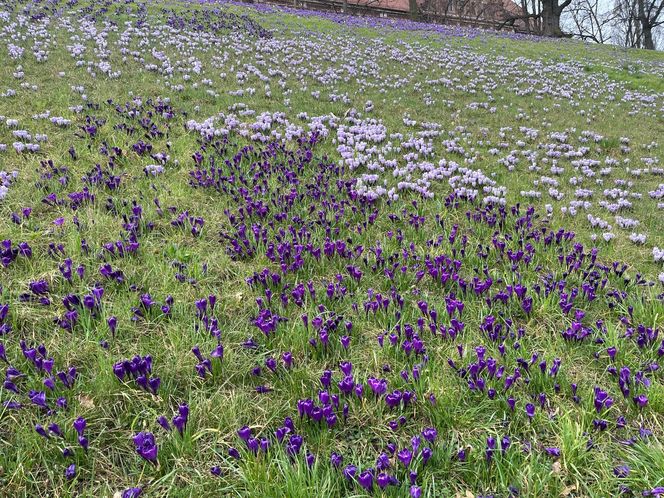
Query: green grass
column 394, row 69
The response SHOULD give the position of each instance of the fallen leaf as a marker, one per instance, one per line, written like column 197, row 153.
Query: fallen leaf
column 568, row 490
column 86, row 402
column 556, row 467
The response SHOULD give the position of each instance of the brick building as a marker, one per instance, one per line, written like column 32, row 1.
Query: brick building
column 483, row 12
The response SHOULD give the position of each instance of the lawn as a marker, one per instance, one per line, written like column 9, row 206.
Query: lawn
column 251, row 251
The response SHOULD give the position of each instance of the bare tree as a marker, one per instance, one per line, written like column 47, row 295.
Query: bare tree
column 543, row 16
column 551, row 13
column 626, row 31
column 537, row 20
column 636, row 22
column 649, row 12
column 590, row 20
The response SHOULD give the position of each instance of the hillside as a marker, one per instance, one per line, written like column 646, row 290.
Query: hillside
column 258, row 251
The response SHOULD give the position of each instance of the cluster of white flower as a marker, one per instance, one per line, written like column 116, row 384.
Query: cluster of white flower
column 6, row 179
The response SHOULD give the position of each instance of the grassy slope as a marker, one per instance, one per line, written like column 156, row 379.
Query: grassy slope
column 29, row 466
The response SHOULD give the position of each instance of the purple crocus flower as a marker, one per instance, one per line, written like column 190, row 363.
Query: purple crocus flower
column 180, row 420
column 405, row 456
column 554, row 452
column 336, row 459
column 41, row 431
column 287, row 359
column 70, row 472
column 505, row 443
column 38, row 398
column 132, row 493
column 426, row 453
column 253, row 445
column 641, row 400
column 112, row 325
column 55, row 429
column 621, row 471
column 430, row 434
column 146, row 446
column 349, row 471
column 83, row 441
column 383, row 480
column 79, row 425
column 39, row 287
column 490, row 447
column 217, row 352
column 244, row 433
column 163, row 421
column 366, row 479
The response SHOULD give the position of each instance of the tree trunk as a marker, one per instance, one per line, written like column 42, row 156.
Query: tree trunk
column 412, row 7
column 647, row 41
column 551, row 18
column 524, row 11
column 537, row 23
